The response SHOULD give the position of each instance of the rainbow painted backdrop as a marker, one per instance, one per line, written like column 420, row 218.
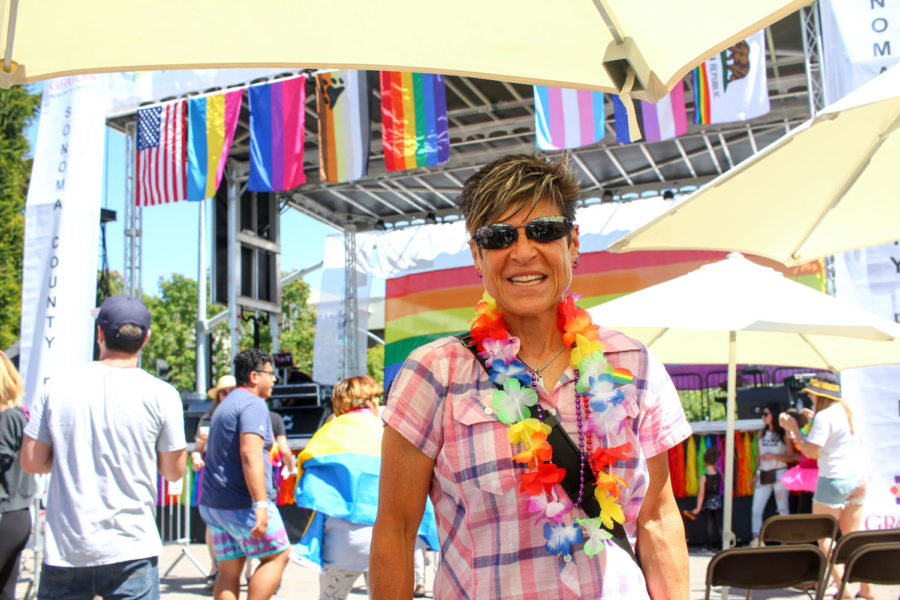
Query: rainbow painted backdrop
column 425, row 306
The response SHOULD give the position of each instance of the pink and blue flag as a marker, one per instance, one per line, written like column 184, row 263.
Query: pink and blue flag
column 212, row 121
column 667, row 118
column 566, row 118
column 277, row 120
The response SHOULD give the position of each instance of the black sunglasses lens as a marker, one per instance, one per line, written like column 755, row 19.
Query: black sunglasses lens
column 495, row 237
column 547, row 230
column 543, row 229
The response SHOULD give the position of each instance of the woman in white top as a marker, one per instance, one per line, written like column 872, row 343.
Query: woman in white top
column 774, row 458
column 840, row 489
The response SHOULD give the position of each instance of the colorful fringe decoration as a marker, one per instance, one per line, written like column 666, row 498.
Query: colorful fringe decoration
column 691, row 480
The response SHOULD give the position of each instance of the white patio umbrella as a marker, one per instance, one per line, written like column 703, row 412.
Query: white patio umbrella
column 570, row 43
column 736, row 311
column 827, row 186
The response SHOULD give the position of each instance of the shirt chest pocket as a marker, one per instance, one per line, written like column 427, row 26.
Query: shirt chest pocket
column 479, row 451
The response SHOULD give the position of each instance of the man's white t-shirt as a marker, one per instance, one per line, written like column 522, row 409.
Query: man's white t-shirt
column 105, row 425
column 840, row 455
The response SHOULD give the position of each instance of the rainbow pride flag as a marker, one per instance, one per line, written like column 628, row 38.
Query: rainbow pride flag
column 565, row 118
column 277, row 120
column 413, row 120
column 211, row 124
column 342, row 103
column 422, row 307
column 701, row 95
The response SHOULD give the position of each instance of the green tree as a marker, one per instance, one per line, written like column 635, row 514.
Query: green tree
column 375, row 363
column 174, row 313
column 298, row 324
column 17, row 108
column 173, row 337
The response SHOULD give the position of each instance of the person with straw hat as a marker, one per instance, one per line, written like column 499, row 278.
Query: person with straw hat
column 224, row 385
column 840, row 489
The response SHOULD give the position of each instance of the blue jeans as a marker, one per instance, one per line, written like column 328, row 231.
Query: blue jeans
column 129, row 580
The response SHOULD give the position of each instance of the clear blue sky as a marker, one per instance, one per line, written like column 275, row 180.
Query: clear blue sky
column 170, row 231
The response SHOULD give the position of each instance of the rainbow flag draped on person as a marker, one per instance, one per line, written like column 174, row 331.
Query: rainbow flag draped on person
column 339, row 471
column 277, row 119
column 413, row 120
column 566, row 118
column 212, row 121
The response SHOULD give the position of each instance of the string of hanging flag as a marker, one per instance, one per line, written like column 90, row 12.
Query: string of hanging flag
column 182, row 145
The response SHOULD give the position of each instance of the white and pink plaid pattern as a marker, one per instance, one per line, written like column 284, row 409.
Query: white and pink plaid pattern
column 490, row 546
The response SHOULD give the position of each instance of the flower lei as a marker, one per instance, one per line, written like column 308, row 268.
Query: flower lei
column 601, row 400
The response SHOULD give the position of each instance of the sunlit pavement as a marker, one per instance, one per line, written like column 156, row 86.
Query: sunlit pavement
column 186, row 580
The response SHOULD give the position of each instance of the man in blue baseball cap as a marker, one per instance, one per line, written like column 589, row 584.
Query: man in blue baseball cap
column 104, row 430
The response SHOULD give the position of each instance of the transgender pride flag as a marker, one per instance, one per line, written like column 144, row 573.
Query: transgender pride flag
column 667, row 118
column 277, row 119
column 565, row 118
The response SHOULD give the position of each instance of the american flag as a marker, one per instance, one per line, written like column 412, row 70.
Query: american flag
column 161, row 154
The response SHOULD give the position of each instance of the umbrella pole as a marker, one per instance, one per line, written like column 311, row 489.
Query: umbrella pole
column 728, row 539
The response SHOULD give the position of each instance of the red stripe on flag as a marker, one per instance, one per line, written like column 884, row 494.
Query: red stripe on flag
column 387, row 122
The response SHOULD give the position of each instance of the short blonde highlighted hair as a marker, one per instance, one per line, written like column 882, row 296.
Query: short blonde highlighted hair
column 11, row 386
column 354, row 392
column 517, row 180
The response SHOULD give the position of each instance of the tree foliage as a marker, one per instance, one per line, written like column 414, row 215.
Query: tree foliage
column 298, row 324
column 173, row 337
column 375, row 363
column 17, row 108
column 173, row 333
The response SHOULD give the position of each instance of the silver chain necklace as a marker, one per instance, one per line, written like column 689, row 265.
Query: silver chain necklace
column 537, row 372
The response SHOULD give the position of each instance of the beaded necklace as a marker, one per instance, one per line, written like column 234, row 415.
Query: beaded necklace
column 598, row 401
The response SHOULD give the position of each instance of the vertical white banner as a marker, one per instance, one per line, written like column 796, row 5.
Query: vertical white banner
column 870, row 278
column 62, row 229
column 328, row 349
column 859, row 41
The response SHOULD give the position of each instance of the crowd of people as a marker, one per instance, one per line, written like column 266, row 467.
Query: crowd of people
column 532, row 451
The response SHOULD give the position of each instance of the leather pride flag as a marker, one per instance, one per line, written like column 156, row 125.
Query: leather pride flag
column 342, row 103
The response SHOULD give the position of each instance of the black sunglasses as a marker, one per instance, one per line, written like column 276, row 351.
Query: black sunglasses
column 542, row 229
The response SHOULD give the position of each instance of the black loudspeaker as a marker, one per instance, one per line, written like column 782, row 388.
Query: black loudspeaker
column 302, row 421
column 752, row 400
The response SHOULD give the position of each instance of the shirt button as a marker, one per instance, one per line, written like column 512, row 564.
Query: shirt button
column 488, row 410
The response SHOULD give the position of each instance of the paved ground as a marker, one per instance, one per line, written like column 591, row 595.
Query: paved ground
column 185, row 580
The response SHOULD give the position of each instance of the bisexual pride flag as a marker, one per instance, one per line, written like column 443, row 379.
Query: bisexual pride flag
column 565, row 118
column 277, row 120
column 414, row 120
column 211, row 124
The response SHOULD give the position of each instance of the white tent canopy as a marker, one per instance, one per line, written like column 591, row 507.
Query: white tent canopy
column 578, row 43
column 827, row 186
column 736, row 311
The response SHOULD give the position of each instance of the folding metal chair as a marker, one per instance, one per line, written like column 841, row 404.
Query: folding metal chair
column 872, row 563
column 853, row 541
column 798, row 529
column 768, row 567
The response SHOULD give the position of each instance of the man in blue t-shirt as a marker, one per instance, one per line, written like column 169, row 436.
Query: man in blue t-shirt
column 236, row 485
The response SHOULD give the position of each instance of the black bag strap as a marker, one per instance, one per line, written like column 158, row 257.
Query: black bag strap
column 567, row 456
